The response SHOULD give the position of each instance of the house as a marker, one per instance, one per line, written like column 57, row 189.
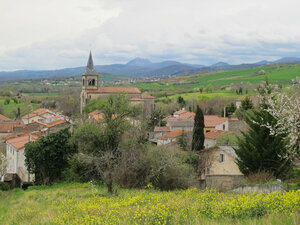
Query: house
column 40, row 114
column 92, row 90
column 170, row 137
column 214, row 122
column 212, row 137
column 217, row 168
column 159, row 131
column 15, row 146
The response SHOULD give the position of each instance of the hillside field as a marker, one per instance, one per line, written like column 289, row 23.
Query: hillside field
column 90, row 204
column 277, row 74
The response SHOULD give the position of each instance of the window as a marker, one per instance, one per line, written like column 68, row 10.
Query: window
column 222, row 158
column 207, row 131
column 223, row 126
column 83, row 83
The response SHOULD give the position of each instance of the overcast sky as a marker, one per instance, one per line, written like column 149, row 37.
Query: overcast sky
column 53, row 34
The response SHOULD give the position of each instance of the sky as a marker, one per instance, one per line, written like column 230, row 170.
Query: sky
column 43, row 34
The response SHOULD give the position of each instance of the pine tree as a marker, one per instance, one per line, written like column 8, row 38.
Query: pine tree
column 258, row 150
column 198, row 131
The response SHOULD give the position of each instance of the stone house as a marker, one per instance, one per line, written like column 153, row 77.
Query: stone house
column 159, row 131
column 170, row 137
column 40, row 114
column 217, row 168
column 212, row 137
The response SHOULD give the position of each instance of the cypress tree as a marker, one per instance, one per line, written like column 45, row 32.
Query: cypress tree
column 258, row 150
column 198, row 131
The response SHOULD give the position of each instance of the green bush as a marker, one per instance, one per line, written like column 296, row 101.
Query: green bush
column 4, row 186
column 26, row 185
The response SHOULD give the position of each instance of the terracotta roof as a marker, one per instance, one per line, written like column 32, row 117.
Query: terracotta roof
column 19, row 142
column 213, row 120
column 234, row 118
column 96, row 112
column 38, row 112
column 145, row 96
column 55, row 123
column 215, row 134
column 2, row 117
column 180, row 112
column 173, row 134
column 136, row 99
column 8, row 127
column 162, row 129
column 116, row 90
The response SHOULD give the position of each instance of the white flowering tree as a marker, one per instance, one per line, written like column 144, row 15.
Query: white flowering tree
column 3, row 164
column 285, row 107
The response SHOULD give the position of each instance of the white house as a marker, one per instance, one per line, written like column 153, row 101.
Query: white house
column 15, row 155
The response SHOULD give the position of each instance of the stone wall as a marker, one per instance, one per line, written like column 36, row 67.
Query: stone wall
column 259, row 188
column 236, row 126
column 223, row 182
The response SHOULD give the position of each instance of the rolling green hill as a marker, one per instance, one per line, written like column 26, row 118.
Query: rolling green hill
column 277, row 74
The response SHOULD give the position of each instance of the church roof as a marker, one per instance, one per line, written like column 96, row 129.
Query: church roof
column 90, row 70
column 116, row 90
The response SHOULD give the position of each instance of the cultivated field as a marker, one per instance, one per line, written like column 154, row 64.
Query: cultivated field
column 90, row 204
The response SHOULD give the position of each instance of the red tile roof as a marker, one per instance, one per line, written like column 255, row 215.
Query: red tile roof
column 180, row 112
column 173, row 134
column 215, row 134
column 136, row 99
column 213, row 120
column 38, row 112
column 162, row 129
column 2, row 117
column 19, row 142
column 145, row 96
column 116, row 90
column 234, row 118
column 8, row 127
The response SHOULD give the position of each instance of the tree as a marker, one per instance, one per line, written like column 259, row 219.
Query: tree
column 247, row 104
column 100, row 142
column 285, row 108
column 156, row 119
column 3, row 164
column 47, row 157
column 181, row 101
column 258, row 150
column 183, row 141
column 230, row 109
column 198, row 131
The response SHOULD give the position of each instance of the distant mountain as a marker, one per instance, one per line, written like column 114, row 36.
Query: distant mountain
column 139, row 67
column 287, row 60
column 139, row 62
column 219, row 64
column 263, row 62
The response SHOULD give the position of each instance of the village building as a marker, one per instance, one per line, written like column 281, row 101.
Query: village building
column 92, row 90
column 217, row 168
column 15, row 147
column 212, row 137
column 40, row 114
column 171, row 137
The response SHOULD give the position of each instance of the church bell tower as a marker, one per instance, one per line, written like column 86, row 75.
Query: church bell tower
column 89, row 81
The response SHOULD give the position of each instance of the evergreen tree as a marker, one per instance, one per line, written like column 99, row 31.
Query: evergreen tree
column 259, row 151
column 198, row 131
column 247, row 104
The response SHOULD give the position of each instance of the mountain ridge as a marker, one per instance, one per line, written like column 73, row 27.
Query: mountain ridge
column 140, row 67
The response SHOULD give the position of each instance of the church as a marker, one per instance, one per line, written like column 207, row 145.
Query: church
column 92, row 90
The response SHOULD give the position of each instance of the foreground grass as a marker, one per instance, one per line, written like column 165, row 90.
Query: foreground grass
column 89, row 204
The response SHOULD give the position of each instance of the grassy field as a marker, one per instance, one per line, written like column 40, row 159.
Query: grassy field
column 90, row 204
column 9, row 109
column 277, row 74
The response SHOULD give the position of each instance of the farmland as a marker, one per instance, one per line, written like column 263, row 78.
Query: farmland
column 90, row 204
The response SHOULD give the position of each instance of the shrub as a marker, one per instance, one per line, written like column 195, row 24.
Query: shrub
column 4, row 186
column 26, row 185
column 260, row 177
column 7, row 101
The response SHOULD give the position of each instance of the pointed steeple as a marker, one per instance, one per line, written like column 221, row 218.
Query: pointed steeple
column 90, row 70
